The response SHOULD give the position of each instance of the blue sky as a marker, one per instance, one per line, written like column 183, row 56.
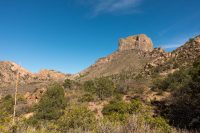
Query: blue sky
column 70, row 35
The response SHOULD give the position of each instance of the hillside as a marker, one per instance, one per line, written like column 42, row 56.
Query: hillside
column 132, row 54
column 136, row 89
column 182, row 57
column 8, row 75
column 136, row 55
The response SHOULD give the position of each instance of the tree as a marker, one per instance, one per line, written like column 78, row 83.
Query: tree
column 52, row 103
column 104, row 87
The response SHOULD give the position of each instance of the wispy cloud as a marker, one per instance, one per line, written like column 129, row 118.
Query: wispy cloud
column 112, row 6
column 171, row 46
column 178, row 41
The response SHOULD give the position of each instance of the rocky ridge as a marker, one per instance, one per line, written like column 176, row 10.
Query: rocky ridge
column 182, row 57
column 9, row 70
column 136, row 55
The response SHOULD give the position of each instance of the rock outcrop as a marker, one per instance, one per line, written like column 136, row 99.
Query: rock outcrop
column 139, row 42
column 183, row 57
column 50, row 75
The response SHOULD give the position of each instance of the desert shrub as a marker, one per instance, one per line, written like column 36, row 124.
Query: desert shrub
column 172, row 81
column 122, row 107
column 135, row 106
column 68, row 84
column 102, row 87
column 6, row 109
column 120, row 110
column 122, row 89
column 51, row 104
column 117, row 97
column 159, row 123
column 7, row 104
column 89, row 86
column 105, row 125
column 87, row 98
column 116, row 107
column 77, row 118
column 143, row 124
column 183, row 108
column 105, row 87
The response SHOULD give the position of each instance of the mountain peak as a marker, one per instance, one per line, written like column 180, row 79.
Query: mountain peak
column 138, row 42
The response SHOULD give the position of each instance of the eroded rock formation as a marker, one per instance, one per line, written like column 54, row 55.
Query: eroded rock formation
column 139, row 42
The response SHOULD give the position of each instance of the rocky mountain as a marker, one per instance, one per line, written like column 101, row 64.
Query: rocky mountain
column 8, row 73
column 182, row 57
column 9, row 70
column 137, row 56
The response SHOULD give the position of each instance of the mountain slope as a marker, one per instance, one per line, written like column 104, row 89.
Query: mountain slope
column 136, row 55
column 182, row 57
column 132, row 54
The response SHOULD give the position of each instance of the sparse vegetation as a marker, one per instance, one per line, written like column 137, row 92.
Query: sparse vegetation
column 51, row 105
column 183, row 108
column 102, row 87
column 77, row 118
column 119, row 103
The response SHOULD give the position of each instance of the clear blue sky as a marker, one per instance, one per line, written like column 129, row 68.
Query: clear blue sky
column 70, row 35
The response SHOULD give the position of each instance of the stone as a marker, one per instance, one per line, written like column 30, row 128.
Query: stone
column 138, row 42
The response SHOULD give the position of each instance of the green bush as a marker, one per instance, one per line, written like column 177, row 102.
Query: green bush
column 135, row 106
column 68, row 84
column 77, row 118
column 51, row 104
column 7, row 104
column 116, row 107
column 172, row 81
column 87, row 98
column 102, row 87
column 120, row 110
column 159, row 123
column 6, row 110
column 89, row 86
column 183, row 108
column 105, row 87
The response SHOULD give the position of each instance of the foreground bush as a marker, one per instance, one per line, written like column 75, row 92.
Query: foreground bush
column 51, row 105
column 103, row 87
column 183, row 108
column 6, row 110
column 77, row 118
column 172, row 81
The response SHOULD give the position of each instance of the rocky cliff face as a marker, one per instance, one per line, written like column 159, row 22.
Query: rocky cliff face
column 138, row 42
